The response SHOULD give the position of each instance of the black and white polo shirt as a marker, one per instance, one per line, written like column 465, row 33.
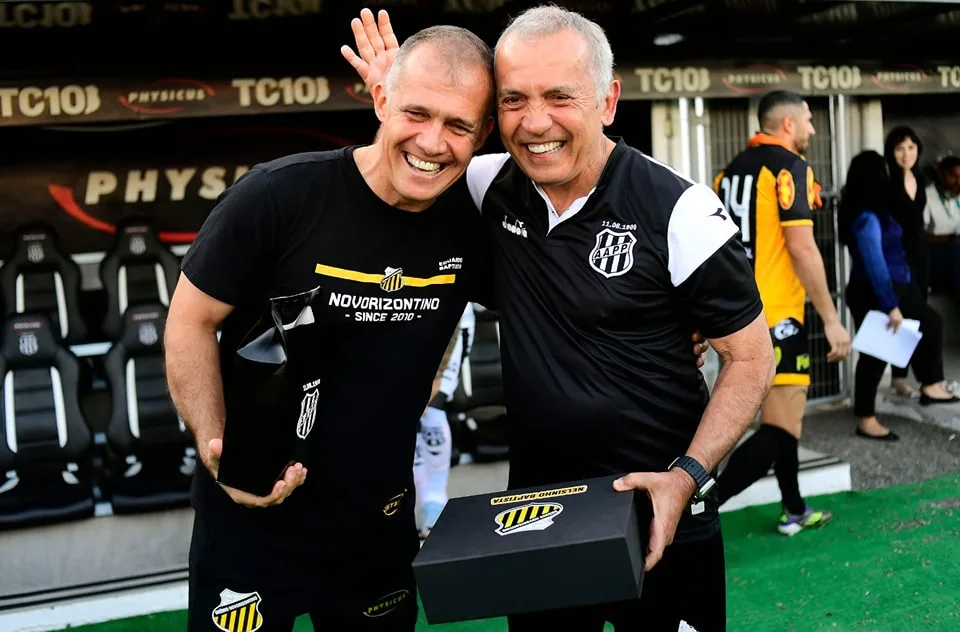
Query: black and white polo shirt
column 597, row 308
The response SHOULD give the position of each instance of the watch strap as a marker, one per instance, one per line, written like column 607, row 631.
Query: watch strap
column 697, row 472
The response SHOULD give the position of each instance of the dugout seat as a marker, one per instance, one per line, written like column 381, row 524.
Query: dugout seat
column 45, row 451
column 41, row 278
column 151, row 453
column 137, row 269
column 476, row 412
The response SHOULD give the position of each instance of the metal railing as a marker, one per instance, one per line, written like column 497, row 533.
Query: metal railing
column 828, row 381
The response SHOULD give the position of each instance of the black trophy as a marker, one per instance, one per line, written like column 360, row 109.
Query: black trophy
column 271, row 394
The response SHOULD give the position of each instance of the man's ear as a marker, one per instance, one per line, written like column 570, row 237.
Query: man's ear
column 379, row 94
column 609, row 104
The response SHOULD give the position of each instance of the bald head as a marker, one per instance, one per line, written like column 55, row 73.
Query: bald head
column 449, row 51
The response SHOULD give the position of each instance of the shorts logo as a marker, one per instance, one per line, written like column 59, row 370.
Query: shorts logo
column 392, row 279
column 777, row 355
column 786, row 189
column 529, row 517
column 785, row 329
column 394, row 504
column 387, row 604
column 238, row 612
column 308, row 413
column 613, row 253
column 434, row 438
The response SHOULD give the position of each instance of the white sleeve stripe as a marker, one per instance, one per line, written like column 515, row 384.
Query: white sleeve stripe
column 480, row 175
column 698, row 227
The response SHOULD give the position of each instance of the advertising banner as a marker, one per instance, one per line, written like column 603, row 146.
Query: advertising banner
column 718, row 79
column 83, row 183
column 92, row 100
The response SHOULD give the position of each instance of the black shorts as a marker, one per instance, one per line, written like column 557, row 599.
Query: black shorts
column 688, row 584
column 241, row 581
column 791, row 353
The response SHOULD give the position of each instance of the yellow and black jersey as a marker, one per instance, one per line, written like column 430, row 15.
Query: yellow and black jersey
column 765, row 188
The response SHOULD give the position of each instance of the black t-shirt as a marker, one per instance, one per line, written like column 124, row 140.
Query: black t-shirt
column 398, row 283
column 597, row 308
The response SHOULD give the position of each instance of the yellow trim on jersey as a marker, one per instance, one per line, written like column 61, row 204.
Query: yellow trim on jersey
column 791, row 379
column 364, row 277
column 797, row 222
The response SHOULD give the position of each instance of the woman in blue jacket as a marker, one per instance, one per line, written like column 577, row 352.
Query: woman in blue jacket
column 881, row 279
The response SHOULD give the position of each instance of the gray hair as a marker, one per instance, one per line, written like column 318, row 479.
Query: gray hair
column 458, row 48
column 548, row 20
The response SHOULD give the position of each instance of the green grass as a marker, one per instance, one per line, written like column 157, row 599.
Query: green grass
column 889, row 561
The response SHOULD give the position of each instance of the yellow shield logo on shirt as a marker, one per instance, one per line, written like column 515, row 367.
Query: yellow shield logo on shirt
column 786, row 189
column 811, row 189
column 392, row 279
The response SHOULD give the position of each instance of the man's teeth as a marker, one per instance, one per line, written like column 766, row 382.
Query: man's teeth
column 423, row 165
column 545, row 147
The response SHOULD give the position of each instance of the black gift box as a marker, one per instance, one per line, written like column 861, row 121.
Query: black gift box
column 534, row 549
column 271, row 393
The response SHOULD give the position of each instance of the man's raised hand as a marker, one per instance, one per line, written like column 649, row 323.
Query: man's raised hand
column 376, row 44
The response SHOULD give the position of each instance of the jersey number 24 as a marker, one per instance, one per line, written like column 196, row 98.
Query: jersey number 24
column 736, row 197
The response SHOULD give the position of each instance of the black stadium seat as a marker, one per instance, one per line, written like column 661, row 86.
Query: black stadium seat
column 137, row 269
column 477, row 413
column 46, row 441
column 152, row 457
column 41, row 278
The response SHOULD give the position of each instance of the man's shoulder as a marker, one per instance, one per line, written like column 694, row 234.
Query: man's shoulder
column 768, row 155
column 483, row 170
column 776, row 157
column 295, row 180
column 655, row 188
column 296, row 164
column 640, row 164
column 457, row 204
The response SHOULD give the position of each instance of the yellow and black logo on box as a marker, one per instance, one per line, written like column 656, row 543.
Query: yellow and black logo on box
column 529, row 517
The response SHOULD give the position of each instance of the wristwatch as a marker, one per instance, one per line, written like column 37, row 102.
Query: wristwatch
column 700, row 476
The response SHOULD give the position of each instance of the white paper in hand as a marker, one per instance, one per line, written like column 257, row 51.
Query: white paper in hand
column 874, row 339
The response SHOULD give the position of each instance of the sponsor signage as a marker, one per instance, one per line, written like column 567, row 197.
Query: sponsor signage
column 720, row 80
column 88, row 101
column 171, row 175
